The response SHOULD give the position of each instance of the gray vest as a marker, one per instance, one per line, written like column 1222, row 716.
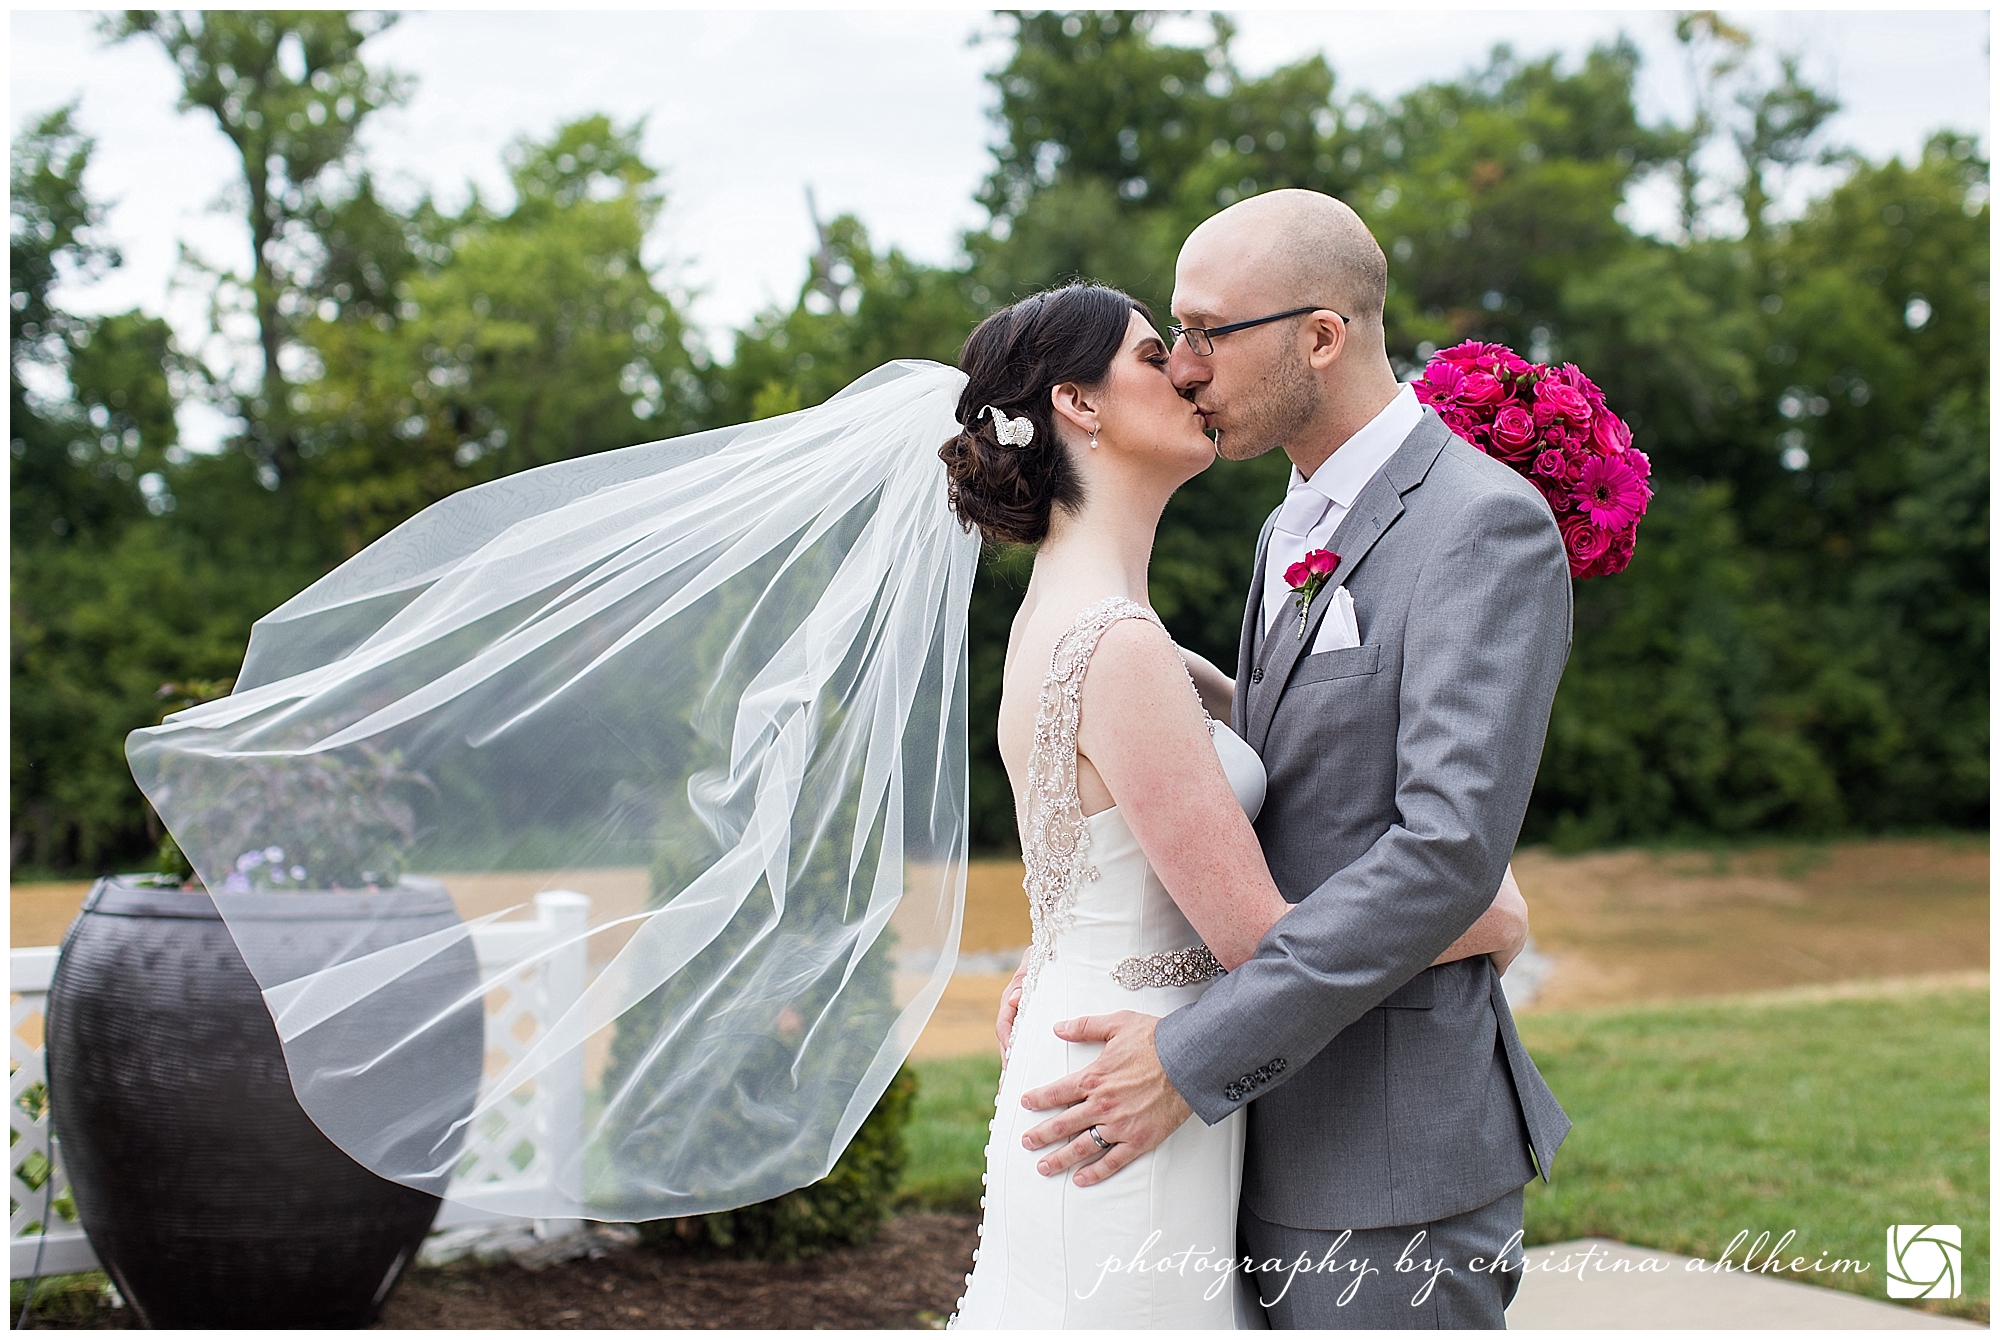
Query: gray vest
column 1381, row 1091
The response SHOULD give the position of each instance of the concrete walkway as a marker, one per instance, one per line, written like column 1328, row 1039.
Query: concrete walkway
column 1607, row 1291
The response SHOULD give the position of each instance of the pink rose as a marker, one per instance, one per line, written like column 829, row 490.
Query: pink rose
column 1320, row 562
column 1481, row 388
column 1572, row 376
column 1556, row 465
column 1608, row 432
column 1513, row 432
column 1298, row 574
column 1554, row 399
column 1618, row 555
column 1466, row 423
column 1584, row 542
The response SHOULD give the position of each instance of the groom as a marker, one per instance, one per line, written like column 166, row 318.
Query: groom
column 1394, row 1115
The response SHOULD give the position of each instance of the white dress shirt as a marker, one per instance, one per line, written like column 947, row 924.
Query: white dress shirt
column 1314, row 508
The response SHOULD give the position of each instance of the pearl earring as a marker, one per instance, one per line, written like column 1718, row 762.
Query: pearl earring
column 1093, row 441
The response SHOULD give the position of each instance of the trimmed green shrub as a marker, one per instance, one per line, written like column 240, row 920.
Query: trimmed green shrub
column 844, row 1207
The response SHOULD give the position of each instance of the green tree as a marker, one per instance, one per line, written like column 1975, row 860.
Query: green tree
column 1873, row 390
column 1114, row 145
column 493, row 342
column 88, row 398
column 108, row 598
column 1800, row 642
column 1491, row 193
column 290, row 90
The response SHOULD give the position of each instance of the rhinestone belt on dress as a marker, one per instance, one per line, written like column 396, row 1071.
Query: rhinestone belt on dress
column 1182, row 967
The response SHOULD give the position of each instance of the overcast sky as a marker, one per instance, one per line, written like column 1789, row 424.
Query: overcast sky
column 884, row 113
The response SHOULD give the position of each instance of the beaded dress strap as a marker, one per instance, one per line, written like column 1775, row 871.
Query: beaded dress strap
column 1055, row 840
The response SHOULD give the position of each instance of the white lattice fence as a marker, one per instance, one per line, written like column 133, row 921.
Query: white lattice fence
column 36, row 1184
column 512, row 1146
column 510, row 1149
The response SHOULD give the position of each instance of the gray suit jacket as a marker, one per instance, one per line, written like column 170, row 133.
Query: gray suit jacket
column 1388, row 1092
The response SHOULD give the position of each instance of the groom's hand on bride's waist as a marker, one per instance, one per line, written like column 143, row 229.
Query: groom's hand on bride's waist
column 1124, row 1093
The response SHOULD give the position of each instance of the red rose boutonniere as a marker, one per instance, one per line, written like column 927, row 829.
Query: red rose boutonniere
column 1306, row 577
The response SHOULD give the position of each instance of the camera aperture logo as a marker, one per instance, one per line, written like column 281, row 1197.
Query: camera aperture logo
column 1924, row 1261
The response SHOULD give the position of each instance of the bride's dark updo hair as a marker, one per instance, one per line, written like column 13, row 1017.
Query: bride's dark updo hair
column 1011, row 361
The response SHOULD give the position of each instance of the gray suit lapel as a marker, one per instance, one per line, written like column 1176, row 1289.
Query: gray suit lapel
column 1375, row 509
column 1253, row 623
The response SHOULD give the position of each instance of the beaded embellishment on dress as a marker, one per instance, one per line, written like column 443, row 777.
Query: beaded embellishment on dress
column 1183, row 967
column 1055, row 840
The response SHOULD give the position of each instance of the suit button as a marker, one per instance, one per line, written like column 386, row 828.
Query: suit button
column 1257, row 675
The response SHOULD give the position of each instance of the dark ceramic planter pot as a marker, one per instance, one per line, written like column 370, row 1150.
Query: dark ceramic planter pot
column 211, row 1197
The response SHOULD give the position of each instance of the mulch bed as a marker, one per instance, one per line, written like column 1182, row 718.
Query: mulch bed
column 908, row 1278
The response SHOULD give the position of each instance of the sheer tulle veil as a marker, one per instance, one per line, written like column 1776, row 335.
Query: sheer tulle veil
column 728, row 669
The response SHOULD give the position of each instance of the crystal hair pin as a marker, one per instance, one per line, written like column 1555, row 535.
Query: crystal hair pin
column 1011, row 432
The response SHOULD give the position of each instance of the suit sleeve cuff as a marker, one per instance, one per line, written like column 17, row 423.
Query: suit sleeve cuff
column 1173, row 1040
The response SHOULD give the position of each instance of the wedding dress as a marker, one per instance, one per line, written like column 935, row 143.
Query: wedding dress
column 1151, row 1245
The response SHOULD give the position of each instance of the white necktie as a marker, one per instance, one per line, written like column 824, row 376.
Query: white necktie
column 1305, row 507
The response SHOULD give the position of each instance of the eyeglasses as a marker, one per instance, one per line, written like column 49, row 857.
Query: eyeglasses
column 1201, row 339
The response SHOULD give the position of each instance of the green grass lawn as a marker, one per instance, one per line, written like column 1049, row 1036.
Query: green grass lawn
column 947, row 1131
column 1694, row 1122
column 1835, row 1119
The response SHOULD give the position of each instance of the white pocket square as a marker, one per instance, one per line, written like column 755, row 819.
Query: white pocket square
column 1339, row 628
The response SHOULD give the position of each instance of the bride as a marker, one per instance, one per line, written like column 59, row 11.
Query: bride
column 1134, row 802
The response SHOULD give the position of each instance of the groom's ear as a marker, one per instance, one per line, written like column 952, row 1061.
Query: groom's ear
column 1326, row 339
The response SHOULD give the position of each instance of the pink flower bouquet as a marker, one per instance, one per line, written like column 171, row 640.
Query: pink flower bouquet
column 1552, row 426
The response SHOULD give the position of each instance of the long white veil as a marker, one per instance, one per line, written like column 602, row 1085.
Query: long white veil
column 722, row 680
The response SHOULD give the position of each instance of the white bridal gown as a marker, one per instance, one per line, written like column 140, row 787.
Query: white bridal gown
column 1148, row 1247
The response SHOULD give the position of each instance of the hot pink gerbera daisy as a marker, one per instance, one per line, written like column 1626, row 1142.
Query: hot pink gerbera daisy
column 1610, row 492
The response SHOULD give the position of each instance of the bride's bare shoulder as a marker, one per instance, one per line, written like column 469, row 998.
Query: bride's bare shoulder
column 1135, row 656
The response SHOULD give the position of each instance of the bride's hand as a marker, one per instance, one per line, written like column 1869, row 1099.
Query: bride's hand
column 1502, row 930
column 1010, row 1006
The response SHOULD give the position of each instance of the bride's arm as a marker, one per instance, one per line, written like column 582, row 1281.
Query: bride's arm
column 1502, row 930
column 1217, row 690
column 1144, row 734
column 1169, row 785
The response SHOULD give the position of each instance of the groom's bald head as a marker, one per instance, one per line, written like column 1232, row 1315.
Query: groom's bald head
column 1307, row 383
column 1293, row 247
